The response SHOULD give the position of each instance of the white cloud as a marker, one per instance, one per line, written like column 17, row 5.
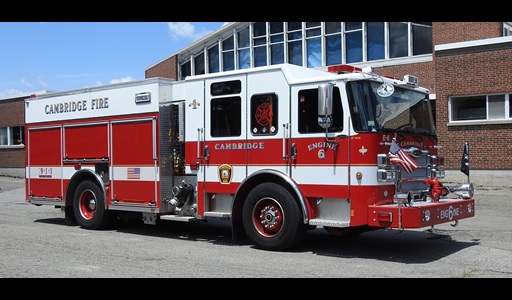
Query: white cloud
column 124, row 79
column 186, row 30
column 112, row 81
column 11, row 93
column 26, row 83
column 97, row 83
column 41, row 81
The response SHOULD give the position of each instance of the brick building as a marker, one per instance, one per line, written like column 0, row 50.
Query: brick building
column 469, row 62
column 12, row 124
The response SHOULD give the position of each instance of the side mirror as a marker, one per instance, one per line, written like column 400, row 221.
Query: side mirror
column 325, row 99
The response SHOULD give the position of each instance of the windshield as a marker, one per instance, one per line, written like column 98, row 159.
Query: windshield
column 404, row 111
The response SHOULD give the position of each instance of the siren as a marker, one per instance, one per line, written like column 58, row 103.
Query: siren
column 465, row 190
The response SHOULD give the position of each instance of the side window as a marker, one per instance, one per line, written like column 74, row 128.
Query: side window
column 308, row 112
column 226, row 88
column 226, row 115
column 226, row 112
column 263, row 114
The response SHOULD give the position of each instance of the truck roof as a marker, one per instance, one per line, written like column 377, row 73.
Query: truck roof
column 159, row 80
column 293, row 73
column 297, row 74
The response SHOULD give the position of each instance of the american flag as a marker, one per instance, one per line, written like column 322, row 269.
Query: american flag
column 398, row 156
column 133, row 173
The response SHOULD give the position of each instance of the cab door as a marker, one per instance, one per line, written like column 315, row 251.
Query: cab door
column 268, row 122
column 320, row 163
column 223, row 140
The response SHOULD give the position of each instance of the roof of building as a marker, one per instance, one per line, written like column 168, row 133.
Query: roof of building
column 24, row 96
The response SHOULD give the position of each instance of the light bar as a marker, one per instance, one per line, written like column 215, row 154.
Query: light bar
column 343, row 69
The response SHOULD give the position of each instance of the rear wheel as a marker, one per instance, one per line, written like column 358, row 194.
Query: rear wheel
column 89, row 206
column 272, row 218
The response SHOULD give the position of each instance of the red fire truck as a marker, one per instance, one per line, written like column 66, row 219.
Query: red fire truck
column 277, row 150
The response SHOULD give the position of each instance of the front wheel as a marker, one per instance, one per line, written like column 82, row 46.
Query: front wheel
column 89, row 206
column 272, row 218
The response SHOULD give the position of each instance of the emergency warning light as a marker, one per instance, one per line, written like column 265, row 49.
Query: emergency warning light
column 411, row 80
column 339, row 69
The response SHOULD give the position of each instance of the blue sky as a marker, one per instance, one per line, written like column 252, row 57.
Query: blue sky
column 60, row 56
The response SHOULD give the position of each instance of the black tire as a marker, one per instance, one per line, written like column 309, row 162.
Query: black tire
column 89, row 206
column 69, row 216
column 272, row 218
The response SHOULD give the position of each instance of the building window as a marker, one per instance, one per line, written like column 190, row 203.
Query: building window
column 213, row 59
column 398, row 39
column 375, row 39
column 333, row 46
column 199, row 64
column 509, row 109
column 259, row 40
column 507, row 28
column 294, row 35
column 244, row 49
column 480, row 108
column 496, row 107
column 276, row 43
column 313, row 44
column 354, row 41
column 421, row 38
column 10, row 136
column 228, row 54
column 3, row 136
column 186, row 70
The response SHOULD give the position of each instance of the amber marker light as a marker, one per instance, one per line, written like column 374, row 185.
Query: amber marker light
column 359, row 175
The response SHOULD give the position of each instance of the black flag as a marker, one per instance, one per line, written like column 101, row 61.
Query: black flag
column 464, row 162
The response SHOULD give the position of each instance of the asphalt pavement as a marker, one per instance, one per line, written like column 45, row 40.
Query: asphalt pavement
column 35, row 242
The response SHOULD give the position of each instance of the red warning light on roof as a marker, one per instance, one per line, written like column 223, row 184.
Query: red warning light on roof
column 343, row 69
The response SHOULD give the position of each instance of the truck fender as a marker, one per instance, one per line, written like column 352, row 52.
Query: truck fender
column 80, row 176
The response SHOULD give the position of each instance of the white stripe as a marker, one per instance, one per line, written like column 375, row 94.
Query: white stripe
column 66, row 172
column 146, row 173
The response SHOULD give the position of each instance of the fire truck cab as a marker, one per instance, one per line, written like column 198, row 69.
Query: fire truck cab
column 278, row 150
